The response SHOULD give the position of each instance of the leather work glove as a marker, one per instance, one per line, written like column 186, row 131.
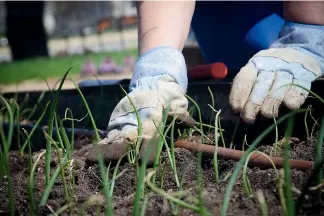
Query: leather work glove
column 159, row 82
column 296, row 57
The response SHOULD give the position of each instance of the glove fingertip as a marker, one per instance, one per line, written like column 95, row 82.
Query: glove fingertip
column 241, row 87
column 110, row 152
column 250, row 112
column 295, row 98
column 235, row 105
column 292, row 103
column 270, row 107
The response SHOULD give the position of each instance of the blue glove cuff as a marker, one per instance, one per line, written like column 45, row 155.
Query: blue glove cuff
column 161, row 61
column 305, row 38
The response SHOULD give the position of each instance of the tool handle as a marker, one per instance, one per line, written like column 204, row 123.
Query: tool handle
column 217, row 70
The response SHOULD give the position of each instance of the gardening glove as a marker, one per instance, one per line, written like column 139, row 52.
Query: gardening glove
column 297, row 57
column 159, row 81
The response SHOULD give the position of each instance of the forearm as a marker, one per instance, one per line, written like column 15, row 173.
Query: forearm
column 306, row 12
column 163, row 23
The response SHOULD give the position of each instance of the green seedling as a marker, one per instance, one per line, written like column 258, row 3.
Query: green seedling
column 50, row 129
column 246, row 182
column 17, row 108
column 169, row 152
column 33, row 129
column 6, row 144
column 139, row 126
column 144, row 206
column 68, row 110
column 280, row 187
column 234, row 134
column 169, row 197
column 318, row 158
column 219, row 127
column 32, row 204
column 244, row 143
column 212, row 105
column 216, row 137
column 31, row 184
column 199, row 116
column 239, row 164
column 139, row 191
column 277, row 136
column 61, row 165
column 317, row 167
column 262, row 202
column 33, row 110
column 102, row 168
column 24, row 102
column 305, row 120
column 173, row 160
column 287, row 171
column 161, row 137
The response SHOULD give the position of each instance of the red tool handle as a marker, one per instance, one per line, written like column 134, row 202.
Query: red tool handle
column 216, row 70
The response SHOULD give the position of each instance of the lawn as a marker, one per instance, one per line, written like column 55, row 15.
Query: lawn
column 40, row 68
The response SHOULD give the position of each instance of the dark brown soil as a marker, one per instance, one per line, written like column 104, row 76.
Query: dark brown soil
column 88, row 186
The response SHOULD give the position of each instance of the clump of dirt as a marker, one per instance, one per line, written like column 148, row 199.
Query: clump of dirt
column 88, row 185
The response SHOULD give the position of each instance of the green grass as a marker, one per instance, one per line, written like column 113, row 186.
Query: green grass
column 40, row 68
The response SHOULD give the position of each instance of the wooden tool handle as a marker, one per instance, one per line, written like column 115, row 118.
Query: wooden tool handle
column 216, row 70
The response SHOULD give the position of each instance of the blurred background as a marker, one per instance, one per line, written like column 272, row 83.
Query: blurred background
column 41, row 40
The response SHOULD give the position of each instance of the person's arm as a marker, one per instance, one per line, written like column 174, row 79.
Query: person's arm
column 296, row 57
column 159, row 80
column 163, row 23
column 306, row 12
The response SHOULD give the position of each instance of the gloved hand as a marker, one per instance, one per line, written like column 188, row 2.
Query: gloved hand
column 296, row 57
column 159, row 81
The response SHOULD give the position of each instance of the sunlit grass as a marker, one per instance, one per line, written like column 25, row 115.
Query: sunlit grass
column 41, row 68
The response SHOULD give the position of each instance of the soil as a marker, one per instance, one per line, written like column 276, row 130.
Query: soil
column 88, row 186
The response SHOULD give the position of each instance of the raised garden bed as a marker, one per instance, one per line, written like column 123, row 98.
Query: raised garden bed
column 80, row 191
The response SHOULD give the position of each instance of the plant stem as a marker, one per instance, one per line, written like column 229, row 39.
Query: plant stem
column 200, row 184
column 305, row 123
column 51, row 184
column 287, row 170
column 242, row 160
column 213, row 105
column 216, row 137
column 139, row 122
column 173, row 161
column 31, row 184
column 50, row 130
column 318, row 158
column 140, row 180
column 36, row 105
column 6, row 148
column 199, row 116
column 171, row 198
column 263, row 203
column 234, row 133
column 276, row 141
column 72, row 126
column 102, row 168
column 317, row 167
column 33, row 129
column 97, row 138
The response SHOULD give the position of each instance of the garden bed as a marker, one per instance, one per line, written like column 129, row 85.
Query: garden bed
column 88, row 185
column 68, row 184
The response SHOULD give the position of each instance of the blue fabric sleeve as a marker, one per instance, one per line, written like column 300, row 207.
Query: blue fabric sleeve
column 308, row 39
